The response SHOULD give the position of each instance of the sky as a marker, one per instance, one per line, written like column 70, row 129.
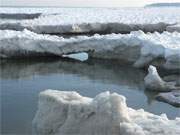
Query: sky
column 82, row 3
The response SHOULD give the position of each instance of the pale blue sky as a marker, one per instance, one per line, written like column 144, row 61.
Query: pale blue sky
column 82, row 3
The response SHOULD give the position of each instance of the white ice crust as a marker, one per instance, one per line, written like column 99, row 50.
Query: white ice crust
column 68, row 113
column 137, row 47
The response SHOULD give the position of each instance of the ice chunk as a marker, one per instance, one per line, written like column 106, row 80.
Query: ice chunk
column 154, row 82
column 62, row 113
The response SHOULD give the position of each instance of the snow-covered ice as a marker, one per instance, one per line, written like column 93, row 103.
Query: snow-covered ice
column 96, row 20
column 62, row 113
column 137, row 48
column 101, row 15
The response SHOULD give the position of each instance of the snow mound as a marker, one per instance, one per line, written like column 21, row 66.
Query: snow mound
column 62, row 113
column 96, row 20
column 138, row 48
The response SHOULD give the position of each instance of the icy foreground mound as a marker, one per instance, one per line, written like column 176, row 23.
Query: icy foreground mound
column 95, row 20
column 138, row 48
column 68, row 113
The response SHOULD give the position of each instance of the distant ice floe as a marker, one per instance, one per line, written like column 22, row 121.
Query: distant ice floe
column 137, row 48
column 62, row 113
column 94, row 20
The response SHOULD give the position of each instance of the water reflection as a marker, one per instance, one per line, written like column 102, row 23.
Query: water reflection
column 107, row 71
column 22, row 80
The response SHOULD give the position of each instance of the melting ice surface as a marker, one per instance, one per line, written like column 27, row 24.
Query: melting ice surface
column 21, row 82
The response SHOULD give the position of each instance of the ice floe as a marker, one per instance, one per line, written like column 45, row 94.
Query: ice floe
column 137, row 48
column 62, row 113
column 96, row 20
